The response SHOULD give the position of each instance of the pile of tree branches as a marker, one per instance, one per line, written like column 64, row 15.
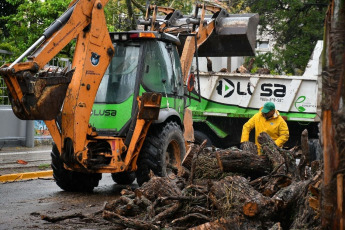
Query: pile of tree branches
column 227, row 189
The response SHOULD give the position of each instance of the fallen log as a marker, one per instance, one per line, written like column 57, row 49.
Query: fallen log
column 219, row 224
column 291, row 193
column 167, row 212
column 158, row 187
column 246, row 163
column 270, row 149
column 123, row 206
column 55, row 219
column 127, row 193
column 235, row 195
column 194, row 161
column 249, row 147
column 199, row 209
column 207, row 167
column 190, row 220
column 276, row 226
column 283, row 161
column 128, row 222
column 235, row 222
column 307, row 207
column 274, row 184
column 239, row 202
column 283, row 164
column 142, row 202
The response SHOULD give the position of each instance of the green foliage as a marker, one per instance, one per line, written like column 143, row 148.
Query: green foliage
column 117, row 14
column 29, row 22
column 44, row 166
column 184, row 6
column 295, row 26
column 235, row 6
column 8, row 46
column 24, row 21
column 7, row 8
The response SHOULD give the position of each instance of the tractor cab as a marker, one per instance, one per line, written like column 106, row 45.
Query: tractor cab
column 143, row 62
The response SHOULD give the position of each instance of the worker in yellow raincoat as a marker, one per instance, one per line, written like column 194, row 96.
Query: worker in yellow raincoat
column 267, row 120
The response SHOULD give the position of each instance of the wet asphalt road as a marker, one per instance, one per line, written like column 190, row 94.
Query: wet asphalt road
column 34, row 159
column 22, row 203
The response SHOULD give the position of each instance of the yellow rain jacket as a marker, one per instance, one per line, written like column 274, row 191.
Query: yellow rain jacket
column 275, row 127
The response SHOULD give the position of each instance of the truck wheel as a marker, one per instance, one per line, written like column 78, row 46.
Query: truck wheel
column 72, row 181
column 199, row 137
column 123, row 178
column 162, row 152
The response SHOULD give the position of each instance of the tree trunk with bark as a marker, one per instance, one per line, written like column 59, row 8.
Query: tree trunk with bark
column 333, row 117
column 234, row 194
column 243, row 162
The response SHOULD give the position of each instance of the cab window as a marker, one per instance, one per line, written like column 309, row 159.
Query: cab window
column 159, row 68
column 119, row 80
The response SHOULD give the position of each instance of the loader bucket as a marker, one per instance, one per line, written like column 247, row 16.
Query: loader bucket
column 36, row 96
column 234, row 35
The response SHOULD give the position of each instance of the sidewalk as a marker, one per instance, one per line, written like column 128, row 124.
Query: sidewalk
column 18, row 160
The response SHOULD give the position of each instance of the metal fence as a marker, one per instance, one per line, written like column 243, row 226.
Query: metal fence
column 60, row 62
column 3, row 93
column 4, row 54
column 56, row 62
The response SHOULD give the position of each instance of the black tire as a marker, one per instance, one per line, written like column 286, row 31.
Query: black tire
column 199, row 137
column 72, row 181
column 123, row 178
column 164, row 146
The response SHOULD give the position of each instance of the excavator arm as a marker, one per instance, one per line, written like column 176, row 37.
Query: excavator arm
column 201, row 31
column 222, row 33
column 40, row 95
column 219, row 31
column 64, row 99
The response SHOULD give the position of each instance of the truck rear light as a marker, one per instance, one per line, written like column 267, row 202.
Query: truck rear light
column 124, row 37
column 116, row 37
column 134, row 35
column 147, row 35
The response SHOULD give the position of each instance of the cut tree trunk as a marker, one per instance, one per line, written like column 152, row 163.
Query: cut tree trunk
column 333, row 117
column 123, row 206
column 158, row 187
column 247, row 163
column 249, row 147
column 128, row 222
column 234, row 194
column 306, row 206
column 283, row 161
column 194, row 161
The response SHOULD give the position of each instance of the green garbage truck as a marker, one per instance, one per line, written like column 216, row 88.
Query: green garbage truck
column 228, row 100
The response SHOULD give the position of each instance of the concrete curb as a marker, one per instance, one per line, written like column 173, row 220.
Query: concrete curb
column 25, row 176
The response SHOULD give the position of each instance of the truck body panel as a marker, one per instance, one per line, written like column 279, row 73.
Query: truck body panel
column 228, row 100
column 241, row 95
